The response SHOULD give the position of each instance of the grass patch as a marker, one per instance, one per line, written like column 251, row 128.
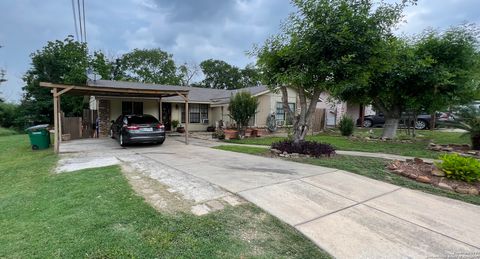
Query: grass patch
column 370, row 167
column 416, row 149
column 7, row 132
column 95, row 213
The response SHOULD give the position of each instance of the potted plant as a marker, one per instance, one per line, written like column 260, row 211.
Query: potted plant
column 175, row 124
column 180, row 128
column 211, row 129
column 242, row 107
column 230, row 134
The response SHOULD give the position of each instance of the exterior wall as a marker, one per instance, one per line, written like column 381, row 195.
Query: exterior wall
column 104, row 118
column 264, row 110
column 149, row 107
column 177, row 115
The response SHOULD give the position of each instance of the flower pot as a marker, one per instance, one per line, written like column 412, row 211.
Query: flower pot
column 211, row 129
column 181, row 130
column 254, row 133
column 231, row 134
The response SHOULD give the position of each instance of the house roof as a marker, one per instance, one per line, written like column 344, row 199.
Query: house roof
column 195, row 94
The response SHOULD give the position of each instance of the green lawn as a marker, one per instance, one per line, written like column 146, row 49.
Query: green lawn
column 95, row 213
column 7, row 132
column 369, row 167
column 416, row 149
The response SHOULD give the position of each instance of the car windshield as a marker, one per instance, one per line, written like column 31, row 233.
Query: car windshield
column 135, row 119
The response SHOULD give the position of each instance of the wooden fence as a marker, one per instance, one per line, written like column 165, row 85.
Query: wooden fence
column 318, row 120
column 78, row 127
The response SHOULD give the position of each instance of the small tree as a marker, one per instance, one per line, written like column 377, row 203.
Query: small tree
column 242, row 108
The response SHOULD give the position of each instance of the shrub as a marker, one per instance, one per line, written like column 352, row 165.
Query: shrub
column 311, row 148
column 346, row 126
column 175, row 123
column 242, row 107
column 460, row 168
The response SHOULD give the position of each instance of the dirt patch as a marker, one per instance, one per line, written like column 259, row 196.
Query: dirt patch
column 420, row 171
column 155, row 193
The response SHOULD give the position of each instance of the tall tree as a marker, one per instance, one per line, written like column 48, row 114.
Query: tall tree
column 427, row 74
column 220, row 75
column 149, row 66
column 325, row 44
column 58, row 62
column 187, row 71
column 251, row 76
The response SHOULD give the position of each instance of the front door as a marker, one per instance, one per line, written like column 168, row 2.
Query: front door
column 167, row 116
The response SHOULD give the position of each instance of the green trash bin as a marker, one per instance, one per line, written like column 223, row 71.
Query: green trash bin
column 39, row 136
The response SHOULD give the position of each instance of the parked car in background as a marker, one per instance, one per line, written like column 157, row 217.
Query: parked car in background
column 137, row 129
column 423, row 120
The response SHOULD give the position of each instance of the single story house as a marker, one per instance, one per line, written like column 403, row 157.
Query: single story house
column 206, row 106
column 209, row 106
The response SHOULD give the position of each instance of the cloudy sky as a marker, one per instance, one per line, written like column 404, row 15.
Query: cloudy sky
column 192, row 30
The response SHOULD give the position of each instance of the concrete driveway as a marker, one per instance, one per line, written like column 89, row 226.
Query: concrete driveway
column 347, row 215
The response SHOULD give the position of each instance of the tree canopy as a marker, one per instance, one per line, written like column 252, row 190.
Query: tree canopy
column 221, row 75
column 424, row 74
column 150, row 66
column 58, row 62
column 325, row 45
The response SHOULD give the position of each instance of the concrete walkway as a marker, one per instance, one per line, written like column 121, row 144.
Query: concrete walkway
column 348, row 215
column 212, row 143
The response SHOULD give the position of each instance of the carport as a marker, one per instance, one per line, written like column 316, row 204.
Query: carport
column 120, row 90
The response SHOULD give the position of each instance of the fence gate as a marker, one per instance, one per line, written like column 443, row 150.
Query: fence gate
column 71, row 127
column 88, row 122
column 318, row 120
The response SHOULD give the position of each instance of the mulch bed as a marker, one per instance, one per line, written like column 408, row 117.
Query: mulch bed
column 420, row 171
column 464, row 149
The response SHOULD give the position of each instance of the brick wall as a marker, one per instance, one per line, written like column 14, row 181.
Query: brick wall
column 104, row 115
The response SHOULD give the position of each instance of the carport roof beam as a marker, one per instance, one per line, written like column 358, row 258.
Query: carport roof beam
column 113, row 91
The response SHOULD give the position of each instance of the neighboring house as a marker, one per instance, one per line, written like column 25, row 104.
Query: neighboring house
column 206, row 106
column 335, row 109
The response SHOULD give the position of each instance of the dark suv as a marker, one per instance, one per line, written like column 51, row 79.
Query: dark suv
column 137, row 129
column 423, row 120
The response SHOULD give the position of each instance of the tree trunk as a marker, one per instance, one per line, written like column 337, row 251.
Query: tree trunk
column 390, row 128
column 433, row 121
column 301, row 122
column 475, row 138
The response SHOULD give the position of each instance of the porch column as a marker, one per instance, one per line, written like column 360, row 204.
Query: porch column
column 160, row 110
column 55, row 121
column 187, row 119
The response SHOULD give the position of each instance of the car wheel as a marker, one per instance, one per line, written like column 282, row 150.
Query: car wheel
column 122, row 143
column 367, row 123
column 420, row 124
column 111, row 134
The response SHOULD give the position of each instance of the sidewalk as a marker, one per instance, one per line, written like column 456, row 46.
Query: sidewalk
column 212, row 143
column 348, row 215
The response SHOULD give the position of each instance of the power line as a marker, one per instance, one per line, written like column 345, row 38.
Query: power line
column 84, row 24
column 74, row 18
column 80, row 20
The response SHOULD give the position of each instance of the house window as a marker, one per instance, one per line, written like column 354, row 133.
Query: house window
column 280, row 113
column 198, row 113
column 132, row 108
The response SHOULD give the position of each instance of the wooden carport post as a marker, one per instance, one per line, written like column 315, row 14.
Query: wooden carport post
column 187, row 119
column 56, row 116
column 55, row 120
